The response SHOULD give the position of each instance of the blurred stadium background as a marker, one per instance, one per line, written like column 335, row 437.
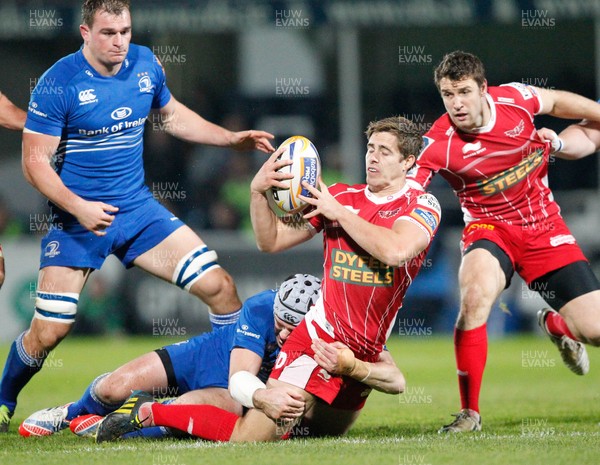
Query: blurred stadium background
column 323, row 69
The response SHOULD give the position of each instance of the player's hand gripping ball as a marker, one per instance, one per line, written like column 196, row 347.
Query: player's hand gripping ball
column 306, row 166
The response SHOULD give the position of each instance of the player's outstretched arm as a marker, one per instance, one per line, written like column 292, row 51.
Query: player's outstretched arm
column 271, row 232
column 337, row 358
column 188, row 125
column 11, row 116
column 37, row 152
column 576, row 141
column 568, row 105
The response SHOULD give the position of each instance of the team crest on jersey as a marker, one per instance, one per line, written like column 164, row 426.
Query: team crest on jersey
column 388, row 213
column 512, row 176
column 517, row 130
column 145, row 83
column 121, row 113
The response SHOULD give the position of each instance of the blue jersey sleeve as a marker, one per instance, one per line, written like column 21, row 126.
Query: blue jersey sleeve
column 255, row 329
column 48, row 107
column 162, row 94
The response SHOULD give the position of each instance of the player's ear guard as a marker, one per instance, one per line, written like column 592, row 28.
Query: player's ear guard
column 296, row 295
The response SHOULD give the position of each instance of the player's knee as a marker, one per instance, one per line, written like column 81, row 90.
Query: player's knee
column 590, row 333
column 103, row 389
column 474, row 300
column 199, row 273
column 475, row 306
column 217, row 289
column 115, row 387
column 1, row 278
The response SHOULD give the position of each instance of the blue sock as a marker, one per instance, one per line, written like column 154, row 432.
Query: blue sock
column 89, row 403
column 19, row 369
column 219, row 321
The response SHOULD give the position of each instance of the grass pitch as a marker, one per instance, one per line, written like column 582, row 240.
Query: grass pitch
column 535, row 411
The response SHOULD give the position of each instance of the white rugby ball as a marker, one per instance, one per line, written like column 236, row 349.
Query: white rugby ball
column 306, row 166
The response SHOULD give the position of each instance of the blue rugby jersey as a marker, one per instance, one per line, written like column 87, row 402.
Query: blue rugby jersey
column 209, row 353
column 100, row 121
column 255, row 331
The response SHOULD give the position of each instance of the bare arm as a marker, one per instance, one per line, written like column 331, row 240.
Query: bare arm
column 38, row 150
column 186, row 124
column 271, row 232
column 11, row 117
column 394, row 247
column 580, row 140
column 383, row 375
column 568, row 105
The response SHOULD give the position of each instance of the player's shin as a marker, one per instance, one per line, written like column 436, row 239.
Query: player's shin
column 471, row 355
column 20, row 367
column 204, row 421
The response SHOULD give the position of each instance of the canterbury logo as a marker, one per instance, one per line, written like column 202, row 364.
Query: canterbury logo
column 87, row 95
column 511, row 176
column 471, row 147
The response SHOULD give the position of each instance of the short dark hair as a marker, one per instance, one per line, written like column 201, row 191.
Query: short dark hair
column 410, row 139
column 91, row 7
column 459, row 65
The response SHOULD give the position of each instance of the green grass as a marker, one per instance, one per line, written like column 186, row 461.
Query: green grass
column 534, row 411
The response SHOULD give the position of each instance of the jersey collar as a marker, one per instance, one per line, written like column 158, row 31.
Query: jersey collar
column 492, row 122
column 387, row 198
column 91, row 69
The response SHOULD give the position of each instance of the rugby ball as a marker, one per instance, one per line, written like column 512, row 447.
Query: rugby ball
column 306, row 166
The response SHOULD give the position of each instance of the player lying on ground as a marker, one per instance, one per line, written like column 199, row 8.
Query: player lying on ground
column 200, row 366
column 486, row 146
column 375, row 236
column 141, row 414
column 83, row 150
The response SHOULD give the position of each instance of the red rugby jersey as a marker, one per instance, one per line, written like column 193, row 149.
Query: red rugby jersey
column 361, row 295
column 499, row 172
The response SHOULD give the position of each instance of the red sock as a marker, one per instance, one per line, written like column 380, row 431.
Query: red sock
column 204, row 421
column 470, row 349
column 557, row 326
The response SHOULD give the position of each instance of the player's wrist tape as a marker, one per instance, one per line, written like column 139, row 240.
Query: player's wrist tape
column 354, row 369
column 368, row 373
column 243, row 385
column 557, row 144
